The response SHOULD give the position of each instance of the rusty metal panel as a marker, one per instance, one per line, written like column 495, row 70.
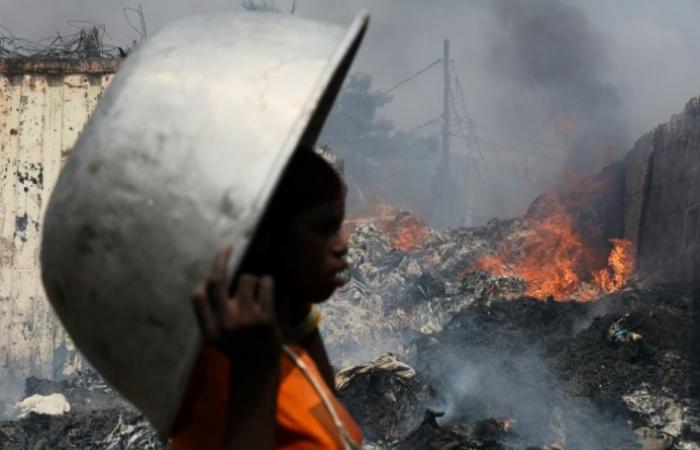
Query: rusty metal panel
column 24, row 66
column 41, row 115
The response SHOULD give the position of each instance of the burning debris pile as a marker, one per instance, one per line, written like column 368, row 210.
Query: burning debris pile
column 528, row 333
column 577, row 375
column 489, row 353
column 537, row 329
column 566, row 246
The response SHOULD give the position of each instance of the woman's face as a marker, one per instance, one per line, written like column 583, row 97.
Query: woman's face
column 314, row 257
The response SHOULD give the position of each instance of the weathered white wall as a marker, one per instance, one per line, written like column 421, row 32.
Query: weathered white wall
column 41, row 114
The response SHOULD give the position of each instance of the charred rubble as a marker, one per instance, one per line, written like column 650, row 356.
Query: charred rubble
column 461, row 360
column 477, row 384
column 476, row 365
column 448, row 346
column 96, row 418
column 494, row 367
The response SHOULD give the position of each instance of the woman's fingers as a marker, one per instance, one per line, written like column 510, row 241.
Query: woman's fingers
column 221, row 265
column 233, row 323
column 256, row 295
column 219, row 314
column 245, row 291
column 203, row 312
column 217, row 283
column 265, row 299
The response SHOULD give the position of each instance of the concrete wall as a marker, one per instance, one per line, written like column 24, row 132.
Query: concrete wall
column 662, row 197
column 43, row 107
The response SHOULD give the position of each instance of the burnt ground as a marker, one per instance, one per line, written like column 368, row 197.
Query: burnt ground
column 555, row 374
column 113, row 428
column 475, row 364
column 98, row 419
column 500, row 374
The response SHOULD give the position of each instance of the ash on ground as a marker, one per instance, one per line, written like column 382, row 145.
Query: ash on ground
column 92, row 417
column 457, row 360
column 473, row 363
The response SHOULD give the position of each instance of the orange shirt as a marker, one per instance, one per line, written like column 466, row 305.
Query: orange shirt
column 303, row 422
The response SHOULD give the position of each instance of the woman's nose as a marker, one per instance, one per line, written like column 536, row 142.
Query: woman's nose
column 340, row 244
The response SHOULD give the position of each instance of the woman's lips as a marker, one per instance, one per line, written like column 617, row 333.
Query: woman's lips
column 340, row 277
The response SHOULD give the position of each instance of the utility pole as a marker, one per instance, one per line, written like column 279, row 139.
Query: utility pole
column 445, row 181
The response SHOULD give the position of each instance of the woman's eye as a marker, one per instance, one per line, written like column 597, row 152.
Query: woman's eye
column 328, row 227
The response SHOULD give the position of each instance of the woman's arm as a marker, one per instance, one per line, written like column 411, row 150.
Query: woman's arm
column 244, row 327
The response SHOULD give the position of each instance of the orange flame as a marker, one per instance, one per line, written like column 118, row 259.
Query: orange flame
column 552, row 257
column 406, row 231
column 621, row 266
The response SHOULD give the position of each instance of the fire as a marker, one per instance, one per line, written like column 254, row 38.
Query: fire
column 560, row 247
column 621, row 265
column 555, row 260
column 406, row 231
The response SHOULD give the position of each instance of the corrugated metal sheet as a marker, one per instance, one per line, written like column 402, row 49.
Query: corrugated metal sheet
column 43, row 107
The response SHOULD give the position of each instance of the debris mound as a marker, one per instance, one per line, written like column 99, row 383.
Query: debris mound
column 97, row 419
column 397, row 397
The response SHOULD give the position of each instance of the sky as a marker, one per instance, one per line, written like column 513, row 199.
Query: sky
column 654, row 56
column 565, row 78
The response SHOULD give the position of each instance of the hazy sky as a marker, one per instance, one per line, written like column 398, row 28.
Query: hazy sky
column 653, row 46
column 614, row 69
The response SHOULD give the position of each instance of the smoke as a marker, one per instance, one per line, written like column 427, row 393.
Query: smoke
column 548, row 51
column 518, row 386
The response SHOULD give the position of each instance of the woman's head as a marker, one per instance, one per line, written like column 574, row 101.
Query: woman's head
column 300, row 240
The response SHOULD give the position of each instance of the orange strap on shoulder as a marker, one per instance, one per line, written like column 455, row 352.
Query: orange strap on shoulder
column 303, row 419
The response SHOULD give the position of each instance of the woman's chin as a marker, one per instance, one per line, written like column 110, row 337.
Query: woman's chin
column 324, row 294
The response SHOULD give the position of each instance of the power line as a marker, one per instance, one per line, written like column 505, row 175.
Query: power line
column 455, row 104
column 415, row 75
column 425, row 124
column 469, row 122
column 470, row 138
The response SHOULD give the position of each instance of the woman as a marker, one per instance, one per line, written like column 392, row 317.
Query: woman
column 263, row 380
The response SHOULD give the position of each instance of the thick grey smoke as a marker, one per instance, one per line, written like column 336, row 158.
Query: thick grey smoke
column 549, row 51
column 489, row 382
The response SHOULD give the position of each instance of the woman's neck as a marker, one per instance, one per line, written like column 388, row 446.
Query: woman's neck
column 290, row 312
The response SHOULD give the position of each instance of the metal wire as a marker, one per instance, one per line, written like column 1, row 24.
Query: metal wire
column 87, row 41
column 415, row 75
column 427, row 123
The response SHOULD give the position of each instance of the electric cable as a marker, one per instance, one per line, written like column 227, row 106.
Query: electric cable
column 412, row 77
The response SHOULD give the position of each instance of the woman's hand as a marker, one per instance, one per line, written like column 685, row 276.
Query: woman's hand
column 244, row 326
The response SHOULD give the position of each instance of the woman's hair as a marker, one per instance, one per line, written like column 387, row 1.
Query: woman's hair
column 308, row 181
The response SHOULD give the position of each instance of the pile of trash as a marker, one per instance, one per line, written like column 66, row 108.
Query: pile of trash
column 415, row 278
column 393, row 294
column 458, row 359
column 522, row 373
column 78, row 413
column 612, row 373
